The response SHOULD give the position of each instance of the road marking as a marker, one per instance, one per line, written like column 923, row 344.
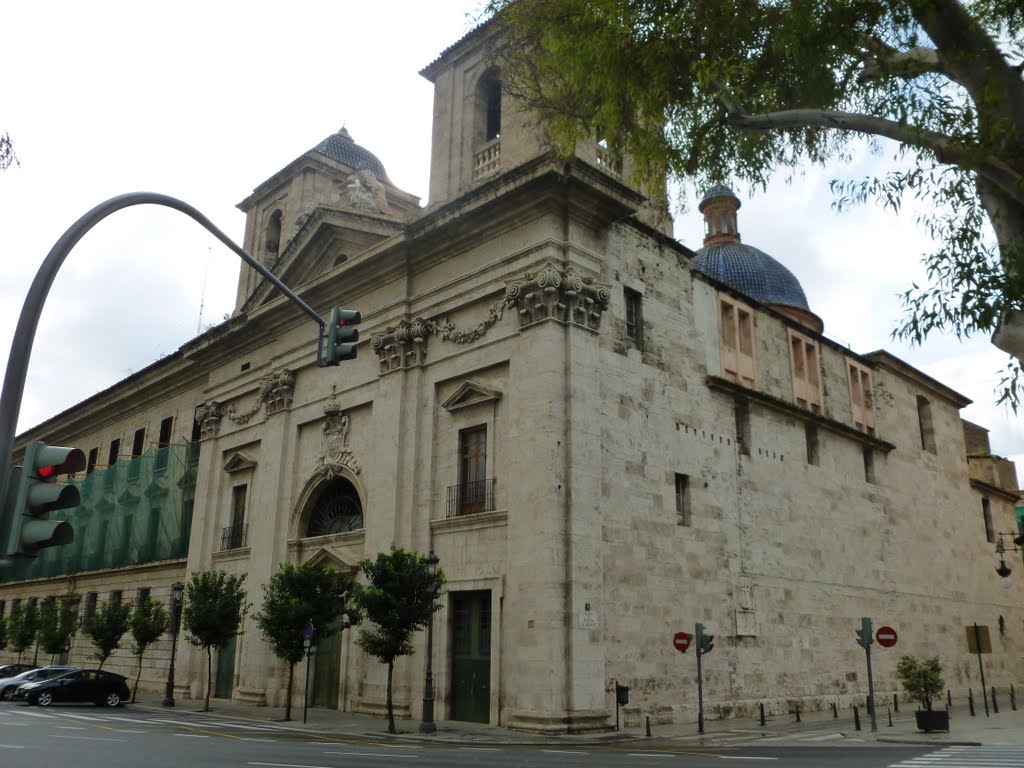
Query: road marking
column 290, row 765
column 12, row 746
column 192, row 735
column 648, row 754
column 740, row 757
column 370, row 754
column 272, row 741
column 479, row 749
column 562, row 752
column 73, row 727
column 88, row 738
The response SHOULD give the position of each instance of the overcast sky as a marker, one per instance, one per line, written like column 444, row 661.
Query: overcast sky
column 204, row 101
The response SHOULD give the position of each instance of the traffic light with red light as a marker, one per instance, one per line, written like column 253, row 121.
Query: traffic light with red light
column 342, row 336
column 33, row 493
column 864, row 634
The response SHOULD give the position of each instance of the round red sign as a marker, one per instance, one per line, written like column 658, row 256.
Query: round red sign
column 886, row 637
column 681, row 641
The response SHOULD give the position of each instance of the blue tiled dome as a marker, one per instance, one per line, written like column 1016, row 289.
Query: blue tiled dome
column 340, row 146
column 752, row 272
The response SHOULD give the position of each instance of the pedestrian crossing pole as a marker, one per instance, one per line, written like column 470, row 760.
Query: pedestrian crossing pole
column 864, row 640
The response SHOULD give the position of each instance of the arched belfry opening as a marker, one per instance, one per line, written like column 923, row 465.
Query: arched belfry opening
column 273, row 238
column 335, row 507
column 488, row 107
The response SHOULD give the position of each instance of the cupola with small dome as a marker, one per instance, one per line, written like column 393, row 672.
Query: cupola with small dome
column 744, row 268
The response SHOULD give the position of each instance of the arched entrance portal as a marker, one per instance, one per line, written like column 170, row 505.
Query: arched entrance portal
column 336, row 508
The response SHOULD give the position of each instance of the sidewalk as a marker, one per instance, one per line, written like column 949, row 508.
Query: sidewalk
column 821, row 728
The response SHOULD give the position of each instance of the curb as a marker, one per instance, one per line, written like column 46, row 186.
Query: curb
column 920, row 742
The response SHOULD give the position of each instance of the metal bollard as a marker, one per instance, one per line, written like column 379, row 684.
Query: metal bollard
column 895, row 703
column 995, row 704
column 970, row 701
column 797, row 707
column 949, row 698
column 648, row 725
column 1013, row 699
column 762, row 714
column 835, row 710
column 890, row 716
column 856, row 718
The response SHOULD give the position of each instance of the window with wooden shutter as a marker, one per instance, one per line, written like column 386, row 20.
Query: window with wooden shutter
column 736, row 341
column 861, row 401
column 805, row 361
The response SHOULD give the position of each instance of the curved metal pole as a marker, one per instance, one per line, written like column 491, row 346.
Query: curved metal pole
column 21, row 346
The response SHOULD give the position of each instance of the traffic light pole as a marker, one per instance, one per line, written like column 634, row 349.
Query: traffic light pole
column 21, row 346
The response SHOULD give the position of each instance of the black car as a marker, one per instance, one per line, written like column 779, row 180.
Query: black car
column 9, row 685
column 95, row 685
column 10, row 670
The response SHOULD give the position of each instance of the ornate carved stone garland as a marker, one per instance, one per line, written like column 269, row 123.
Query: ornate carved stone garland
column 337, row 454
column 275, row 391
column 564, row 296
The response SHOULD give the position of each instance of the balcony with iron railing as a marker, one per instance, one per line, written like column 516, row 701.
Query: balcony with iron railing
column 470, row 498
column 233, row 537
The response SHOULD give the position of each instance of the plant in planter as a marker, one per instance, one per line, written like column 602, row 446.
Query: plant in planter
column 922, row 680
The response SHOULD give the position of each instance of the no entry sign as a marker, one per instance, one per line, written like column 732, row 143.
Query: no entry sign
column 681, row 641
column 886, row 637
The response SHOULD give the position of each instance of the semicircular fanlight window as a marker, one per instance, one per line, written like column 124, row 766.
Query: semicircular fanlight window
column 337, row 510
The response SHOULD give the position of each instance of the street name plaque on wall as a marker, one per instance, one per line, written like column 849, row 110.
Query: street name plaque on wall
column 588, row 618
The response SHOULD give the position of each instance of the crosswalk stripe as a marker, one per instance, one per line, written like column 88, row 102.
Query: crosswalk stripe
column 967, row 757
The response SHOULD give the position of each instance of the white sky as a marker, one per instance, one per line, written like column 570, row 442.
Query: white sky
column 204, row 101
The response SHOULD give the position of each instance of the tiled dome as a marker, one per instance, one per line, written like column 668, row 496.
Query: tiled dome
column 752, row 272
column 340, row 146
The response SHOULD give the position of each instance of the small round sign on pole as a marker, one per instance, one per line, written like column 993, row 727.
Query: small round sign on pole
column 886, row 637
column 681, row 641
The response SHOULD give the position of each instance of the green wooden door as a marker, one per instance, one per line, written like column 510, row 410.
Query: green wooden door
column 224, row 683
column 326, row 672
column 471, row 656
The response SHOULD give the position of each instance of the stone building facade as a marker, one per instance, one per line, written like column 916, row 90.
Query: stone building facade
column 604, row 435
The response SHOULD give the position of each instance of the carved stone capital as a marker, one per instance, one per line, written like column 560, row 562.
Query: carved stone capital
column 556, row 294
column 275, row 391
column 209, row 415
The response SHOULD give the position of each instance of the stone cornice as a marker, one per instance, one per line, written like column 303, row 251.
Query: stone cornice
column 1009, row 495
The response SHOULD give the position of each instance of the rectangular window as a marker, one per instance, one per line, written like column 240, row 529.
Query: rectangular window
column 682, row 499
column 115, row 450
column 742, row 409
column 634, row 315
column 736, row 341
column 142, row 594
column 15, row 604
column 235, row 534
column 93, row 457
column 90, row 606
column 473, row 469
column 986, row 513
column 3, row 608
column 116, row 596
column 869, row 464
column 927, row 426
column 811, row 439
column 805, row 362
column 162, row 445
column 138, row 442
column 861, row 400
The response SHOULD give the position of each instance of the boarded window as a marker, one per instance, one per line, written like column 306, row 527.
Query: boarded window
column 927, row 426
column 986, row 513
column 804, row 360
column 736, row 341
column 634, row 315
column 682, row 499
column 861, row 400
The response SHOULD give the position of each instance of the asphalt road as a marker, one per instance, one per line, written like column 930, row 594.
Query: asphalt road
column 89, row 737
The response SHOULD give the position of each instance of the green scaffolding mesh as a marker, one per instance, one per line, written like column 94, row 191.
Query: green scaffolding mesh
column 133, row 512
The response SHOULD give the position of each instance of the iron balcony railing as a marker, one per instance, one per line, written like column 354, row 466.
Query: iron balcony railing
column 233, row 537
column 470, row 498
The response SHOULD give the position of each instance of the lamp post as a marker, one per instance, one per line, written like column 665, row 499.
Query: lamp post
column 427, row 725
column 177, row 589
column 1003, row 570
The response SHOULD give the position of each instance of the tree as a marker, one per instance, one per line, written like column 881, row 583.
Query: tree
column 212, row 613
column 7, row 156
column 148, row 622
column 296, row 595
column 921, row 678
column 22, row 627
column 399, row 598
column 57, row 622
column 106, row 627
column 713, row 91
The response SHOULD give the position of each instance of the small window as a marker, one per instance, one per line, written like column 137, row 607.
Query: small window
column 804, row 361
column 634, row 315
column 742, row 408
column 142, row 594
column 861, row 400
column 682, row 499
column 116, row 596
column 15, row 605
column 3, row 608
column 924, row 420
column 93, row 458
column 115, row 450
column 273, row 236
column 869, row 464
column 811, row 440
column 138, row 442
column 166, row 425
column 986, row 513
column 736, row 341
column 90, row 606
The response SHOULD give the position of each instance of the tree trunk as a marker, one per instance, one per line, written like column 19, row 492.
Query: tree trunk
column 137, row 677
column 209, row 677
column 391, row 709
column 291, row 680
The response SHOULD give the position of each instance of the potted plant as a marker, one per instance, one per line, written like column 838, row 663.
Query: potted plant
column 922, row 680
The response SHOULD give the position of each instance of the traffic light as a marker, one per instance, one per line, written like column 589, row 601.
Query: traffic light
column 342, row 335
column 864, row 639
column 33, row 493
column 705, row 643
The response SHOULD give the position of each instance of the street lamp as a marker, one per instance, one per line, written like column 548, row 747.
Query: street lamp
column 1003, row 570
column 176, row 592
column 427, row 725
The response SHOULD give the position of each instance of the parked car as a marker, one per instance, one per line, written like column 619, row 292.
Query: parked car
column 9, row 685
column 10, row 670
column 95, row 685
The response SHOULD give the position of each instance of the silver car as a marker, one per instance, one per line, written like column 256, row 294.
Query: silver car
column 9, row 685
